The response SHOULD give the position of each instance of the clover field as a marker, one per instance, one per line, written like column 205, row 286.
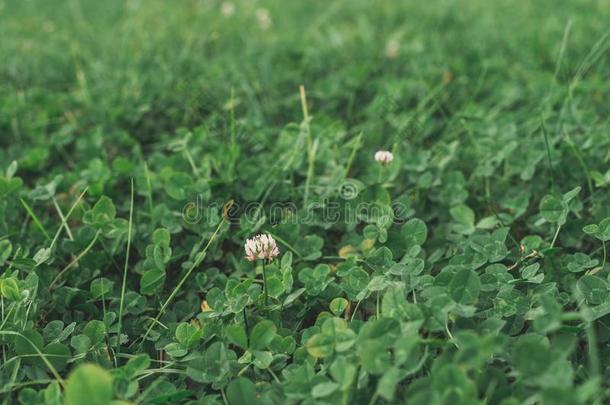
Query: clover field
column 431, row 181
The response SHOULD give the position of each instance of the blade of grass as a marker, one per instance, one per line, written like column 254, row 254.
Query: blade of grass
column 148, row 189
column 234, row 146
column 548, row 153
column 64, row 220
column 124, row 284
column 357, row 145
column 562, row 49
column 35, row 218
column 76, row 260
column 311, row 146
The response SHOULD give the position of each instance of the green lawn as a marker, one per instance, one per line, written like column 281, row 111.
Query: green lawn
column 143, row 143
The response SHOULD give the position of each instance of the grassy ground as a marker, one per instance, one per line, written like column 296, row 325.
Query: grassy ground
column 142, row 143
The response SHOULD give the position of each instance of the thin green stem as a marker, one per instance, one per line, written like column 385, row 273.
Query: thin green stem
column 450, row 335
column 125, row 267
column 246, row 324
column 189, row 157
column 64, row 224
column 562, row 49
column 2, row 310
column 345, row 397
column 310, row 145
column 28, row 383
column 277, row 380
column 35, row 219
column 234, row 146
column 355, row 310
column 605, row 254
column 10, row 312
column 243, row 370
column 357, row 144
column 224, row 397
column 548, row 153
column 265, row 284
column 377, row 306
column 64, row 219
column 76, row 260
column 148, row 189
column 555, row 236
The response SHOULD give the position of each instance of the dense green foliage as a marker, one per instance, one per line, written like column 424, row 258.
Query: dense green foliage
column 143, row 142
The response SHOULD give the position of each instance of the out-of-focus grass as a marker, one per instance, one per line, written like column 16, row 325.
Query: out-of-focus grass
column 147, row 67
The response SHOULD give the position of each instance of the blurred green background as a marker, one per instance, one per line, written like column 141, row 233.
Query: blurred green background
column 71, row 69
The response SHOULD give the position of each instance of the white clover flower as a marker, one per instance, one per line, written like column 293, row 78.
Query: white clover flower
column 384, row 157
column 261, row 246
column 392, row 49
column 264, row 18
column 227, row 9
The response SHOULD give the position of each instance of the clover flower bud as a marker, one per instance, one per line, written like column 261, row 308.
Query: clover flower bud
column 384, row 157
column 227, row 8
column 263, row 18
column 392, row 49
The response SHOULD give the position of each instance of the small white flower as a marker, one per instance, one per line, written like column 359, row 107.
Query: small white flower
column 384, row 157
column 227, row 9
column 261, row 246
column 264, row 18
column 392, row 49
